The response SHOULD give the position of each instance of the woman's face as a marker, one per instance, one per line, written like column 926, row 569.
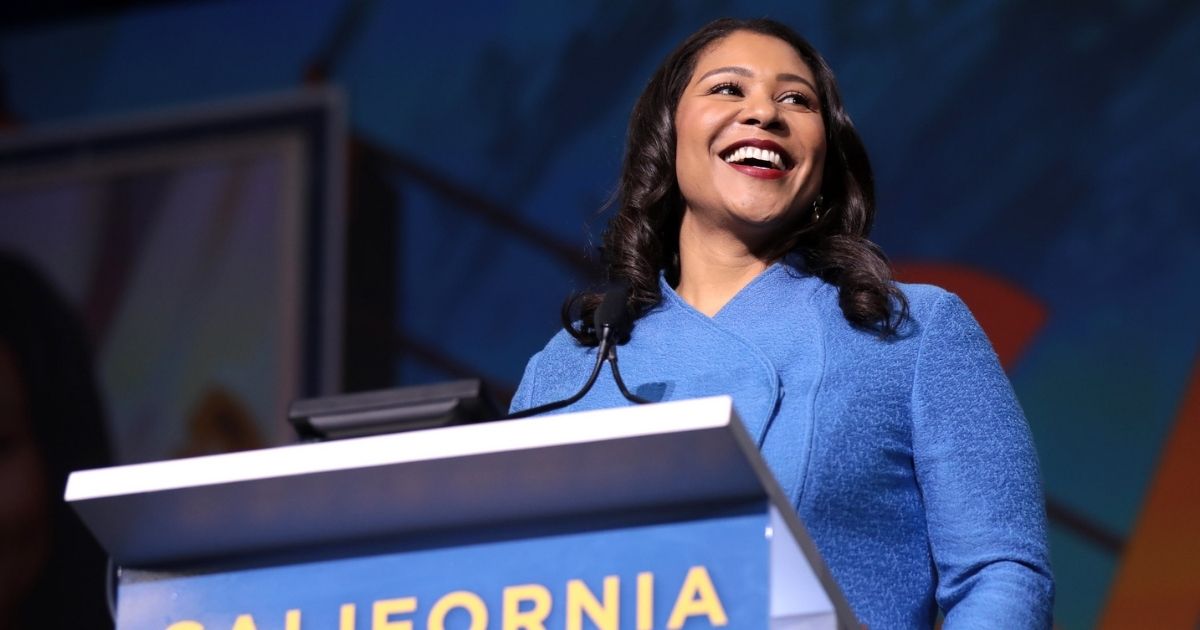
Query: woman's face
column 750, row 142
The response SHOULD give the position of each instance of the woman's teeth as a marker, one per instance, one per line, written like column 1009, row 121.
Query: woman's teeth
column 754, row 153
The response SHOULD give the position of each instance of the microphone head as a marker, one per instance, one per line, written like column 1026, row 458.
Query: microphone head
column 613, row 312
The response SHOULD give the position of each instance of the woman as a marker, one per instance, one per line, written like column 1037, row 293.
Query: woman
column 744, row 206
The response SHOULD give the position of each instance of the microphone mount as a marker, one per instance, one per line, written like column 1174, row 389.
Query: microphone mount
column 612, row 323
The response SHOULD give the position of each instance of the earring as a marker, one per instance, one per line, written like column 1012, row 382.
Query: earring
column 816, row 208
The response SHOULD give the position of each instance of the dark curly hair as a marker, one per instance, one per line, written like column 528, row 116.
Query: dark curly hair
column 643, row 238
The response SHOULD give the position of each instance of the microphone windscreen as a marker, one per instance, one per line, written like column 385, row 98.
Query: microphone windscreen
column 614, row 311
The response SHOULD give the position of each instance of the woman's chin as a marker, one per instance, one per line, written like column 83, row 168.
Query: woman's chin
column 760, row 221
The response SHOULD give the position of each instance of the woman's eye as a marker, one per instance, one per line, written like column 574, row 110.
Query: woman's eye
column 797, row 98
column 726, row 89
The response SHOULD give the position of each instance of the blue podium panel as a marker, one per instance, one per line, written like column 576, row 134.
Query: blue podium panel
column 705, row 572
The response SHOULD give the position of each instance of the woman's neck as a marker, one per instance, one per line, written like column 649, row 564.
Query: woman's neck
column 713, row 266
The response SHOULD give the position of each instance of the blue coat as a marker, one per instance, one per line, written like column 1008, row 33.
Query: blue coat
column 909, row 460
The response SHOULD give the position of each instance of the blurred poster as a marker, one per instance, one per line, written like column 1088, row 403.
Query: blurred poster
column 199, row 253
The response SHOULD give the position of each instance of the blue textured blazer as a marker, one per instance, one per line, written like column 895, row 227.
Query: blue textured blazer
column 908, row 459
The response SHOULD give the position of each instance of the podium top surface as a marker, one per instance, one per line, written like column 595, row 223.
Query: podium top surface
column 595, row 462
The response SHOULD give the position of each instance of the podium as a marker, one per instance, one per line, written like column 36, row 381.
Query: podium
column 639, row 518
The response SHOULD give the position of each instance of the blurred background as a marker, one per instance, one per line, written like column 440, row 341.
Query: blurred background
column 247, row 202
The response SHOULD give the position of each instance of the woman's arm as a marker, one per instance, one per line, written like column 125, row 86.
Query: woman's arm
column 977, row 468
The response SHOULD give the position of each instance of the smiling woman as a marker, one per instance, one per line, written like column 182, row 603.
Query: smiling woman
column 743, row 212
column 643, row 239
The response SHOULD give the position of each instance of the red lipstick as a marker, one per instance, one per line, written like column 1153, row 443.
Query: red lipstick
column 760, row 158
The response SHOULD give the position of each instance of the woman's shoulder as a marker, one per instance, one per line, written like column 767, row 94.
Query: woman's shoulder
column 562, row 347
column 930, row 305
column 922, row 295
column 561, row 355
column 944, row 328
column 927, row 305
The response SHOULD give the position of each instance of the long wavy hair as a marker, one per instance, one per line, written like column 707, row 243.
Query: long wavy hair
column 642, row 239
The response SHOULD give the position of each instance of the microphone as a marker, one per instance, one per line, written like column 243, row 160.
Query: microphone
column 612, row 326
column 613, row 323
column 612, row 320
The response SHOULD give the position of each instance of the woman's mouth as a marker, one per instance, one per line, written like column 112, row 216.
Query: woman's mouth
column 758, row 158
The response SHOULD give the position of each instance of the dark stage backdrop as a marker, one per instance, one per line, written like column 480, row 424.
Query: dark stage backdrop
column 1038, row 158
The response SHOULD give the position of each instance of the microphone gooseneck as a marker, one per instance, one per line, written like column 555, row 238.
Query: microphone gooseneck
column 630, row 396
column 612, row 323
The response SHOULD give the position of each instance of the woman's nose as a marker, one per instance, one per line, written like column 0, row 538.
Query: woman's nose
column 761, row 111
